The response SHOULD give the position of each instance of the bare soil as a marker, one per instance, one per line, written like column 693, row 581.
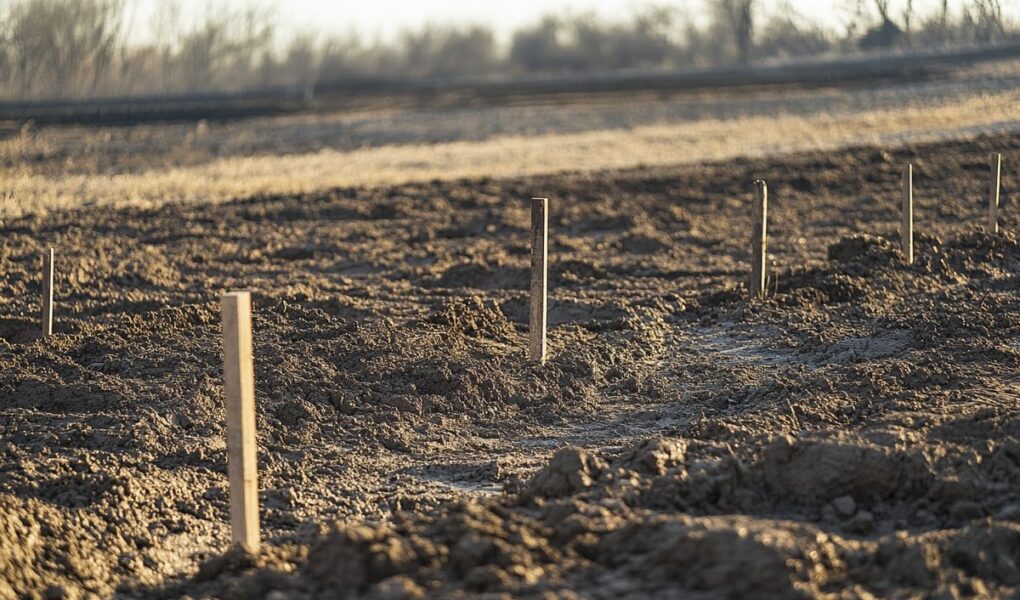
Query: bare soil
column 856, row 435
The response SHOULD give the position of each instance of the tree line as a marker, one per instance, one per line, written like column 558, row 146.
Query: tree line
column 80, row 48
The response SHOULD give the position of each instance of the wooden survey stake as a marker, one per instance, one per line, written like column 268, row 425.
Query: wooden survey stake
column 539, row 277
column 993, row 194
column 907, row 215
column 239, row 381
column 759, row 240
column 47, row 294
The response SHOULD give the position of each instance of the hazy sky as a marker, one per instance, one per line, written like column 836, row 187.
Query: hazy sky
column 386, row 18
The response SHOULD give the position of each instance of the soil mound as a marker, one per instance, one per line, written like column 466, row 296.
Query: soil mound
column 592, row 524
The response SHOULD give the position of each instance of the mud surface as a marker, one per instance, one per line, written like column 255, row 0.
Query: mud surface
column 857, row 435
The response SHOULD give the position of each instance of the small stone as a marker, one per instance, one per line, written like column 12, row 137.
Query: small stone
column 130, row 561
column 398, row 587
column 347, row 407
column 488, row 577
column 863, row 522
column 215, row 493
column 881, row 156
column 571, row 470
column 845, row 507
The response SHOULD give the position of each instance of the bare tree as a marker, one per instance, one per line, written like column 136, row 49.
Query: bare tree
column 855, row 17
column 224, row 49
column 788, row 34
column 537, row 47
column 887, row 33
column 301, row 62
column 62, row 47
column 348, row 57
column 908, row 15
column 166, row 33
column 584, row 42
column 77, row 47
column 738, row 17
column 882, row 6
column 988, row 19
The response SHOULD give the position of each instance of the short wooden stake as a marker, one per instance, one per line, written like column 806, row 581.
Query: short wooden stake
column 759, row 240
column 907, row 215
column 239, row 381
column 993, row 195
column 539, row 277
column 47, row 294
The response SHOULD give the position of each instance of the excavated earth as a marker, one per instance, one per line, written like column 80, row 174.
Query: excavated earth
column 855, row 435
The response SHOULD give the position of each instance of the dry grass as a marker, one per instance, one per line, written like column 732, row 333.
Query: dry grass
column 27, row 190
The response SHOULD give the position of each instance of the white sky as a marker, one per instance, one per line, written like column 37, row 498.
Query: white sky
column 386, row 18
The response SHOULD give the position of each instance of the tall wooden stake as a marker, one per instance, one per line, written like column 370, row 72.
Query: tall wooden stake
column 539, row 277
column 759, row 240
column 993, row 195
column 47, row 294
column 239, row 381
column 907, row 215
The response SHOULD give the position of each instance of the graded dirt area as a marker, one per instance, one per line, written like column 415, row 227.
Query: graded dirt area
column 857, row 435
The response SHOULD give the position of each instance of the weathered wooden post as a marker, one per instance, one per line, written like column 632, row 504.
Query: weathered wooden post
column 993, row 195
column 47, row 294
column 539, row 277
column 759, row 240
column 907, row 215
column 242, row 454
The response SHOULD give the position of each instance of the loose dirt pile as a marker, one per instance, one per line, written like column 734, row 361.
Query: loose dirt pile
column 858, row 434
column 673, row 518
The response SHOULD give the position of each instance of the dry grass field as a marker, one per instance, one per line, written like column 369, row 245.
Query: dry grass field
column 854, row 435
column 52, row 168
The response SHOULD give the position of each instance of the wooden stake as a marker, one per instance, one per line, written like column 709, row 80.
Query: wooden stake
column 993, row 195
column 539, row 277
column 759, row 240
column 239, row 381
column 907, row 215
column 47, row 294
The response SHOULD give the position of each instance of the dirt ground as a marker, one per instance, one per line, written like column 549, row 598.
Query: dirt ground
column 857, row 435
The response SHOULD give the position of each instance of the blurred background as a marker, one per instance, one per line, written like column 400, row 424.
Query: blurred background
column 68, row 49
column 143, row 102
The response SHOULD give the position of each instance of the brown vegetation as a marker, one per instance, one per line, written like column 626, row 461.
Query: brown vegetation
column 74, row 48
column 54, row 168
